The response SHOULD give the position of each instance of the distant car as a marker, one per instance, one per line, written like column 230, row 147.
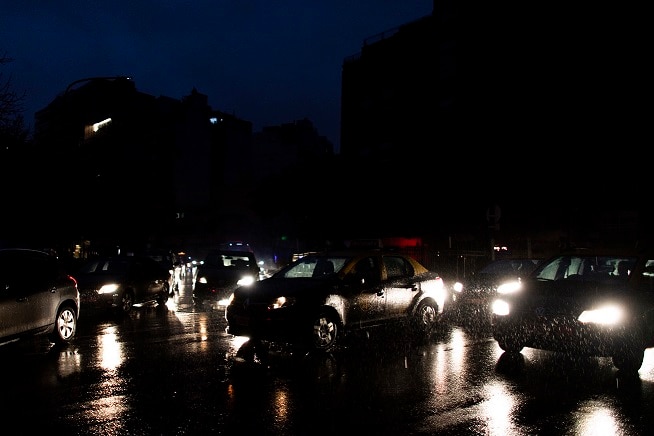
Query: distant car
column 316, row 300
column 582, row 303
column 221, row 272
column 172, row 263
column 118, row 283
column 36, row 297
column 472, row 297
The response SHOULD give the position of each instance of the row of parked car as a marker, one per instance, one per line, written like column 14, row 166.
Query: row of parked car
column 39, row 294
column 595, row 303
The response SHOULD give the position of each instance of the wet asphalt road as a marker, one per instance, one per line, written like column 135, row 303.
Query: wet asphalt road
column 172, row 370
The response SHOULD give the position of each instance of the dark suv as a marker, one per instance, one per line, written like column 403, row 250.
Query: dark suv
column 597, row 303
column 36, row 297
column 220, row 274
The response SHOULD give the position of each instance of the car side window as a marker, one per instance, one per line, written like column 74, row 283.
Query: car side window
column 367, row 269
column 397, row 267
column 28, row 273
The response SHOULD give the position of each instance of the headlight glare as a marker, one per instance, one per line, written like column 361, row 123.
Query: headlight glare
column 607, row 315
column 500, row 307
column 509, row 287
column 281, row 302
column 245, row 281
column 108, row 289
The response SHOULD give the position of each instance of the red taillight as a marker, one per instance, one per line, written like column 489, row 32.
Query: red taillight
column 73, row 279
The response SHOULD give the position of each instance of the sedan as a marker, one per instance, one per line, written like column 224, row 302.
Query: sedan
column 36, row 297
column 472, row 297
column 318, row 299
column 118, row 283
column 582, row 303
column 221, row 272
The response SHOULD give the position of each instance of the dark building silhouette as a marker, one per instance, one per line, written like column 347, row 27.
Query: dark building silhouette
column 121, row 167
column 397, row 114
column 484, row 106
column 442, row 119
column 397, row 96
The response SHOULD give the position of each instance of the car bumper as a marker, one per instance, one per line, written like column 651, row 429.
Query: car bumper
column 272, row 326
column 213, row 297
column 93, row 300
column 566, row 335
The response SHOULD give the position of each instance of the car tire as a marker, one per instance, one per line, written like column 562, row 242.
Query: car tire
column 509, row 344
column 325, row 332
column 425, row 318
column 126, row 302
column 65, row 326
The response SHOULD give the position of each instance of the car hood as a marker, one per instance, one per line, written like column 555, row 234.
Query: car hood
column 490, row 280
column 270, row 288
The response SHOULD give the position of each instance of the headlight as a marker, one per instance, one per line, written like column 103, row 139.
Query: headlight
column 509, row 287
column 607, row 315
column 202, row 279
column 281, row 302
column 108, row 289
column 246, row 281
column 457, row 287
column 500, row 307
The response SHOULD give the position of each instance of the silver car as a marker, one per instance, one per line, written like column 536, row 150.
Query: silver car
column 37, row 297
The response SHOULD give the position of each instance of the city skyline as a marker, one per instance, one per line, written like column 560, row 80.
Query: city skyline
column 265, row 63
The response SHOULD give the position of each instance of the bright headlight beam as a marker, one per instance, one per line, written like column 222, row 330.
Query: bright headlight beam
column 509, row 287
column 607, row 315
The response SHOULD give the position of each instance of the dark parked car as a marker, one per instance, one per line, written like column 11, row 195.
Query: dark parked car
column 170, row 261
column 220, row 274
column 584, row 303
column 118, row 283
column 319, row 298
column 36, row 297
column 472, row 296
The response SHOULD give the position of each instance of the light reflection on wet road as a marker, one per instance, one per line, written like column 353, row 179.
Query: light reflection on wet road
column 172, row 370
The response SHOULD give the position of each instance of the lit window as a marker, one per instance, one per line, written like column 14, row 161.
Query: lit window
column 92, row 129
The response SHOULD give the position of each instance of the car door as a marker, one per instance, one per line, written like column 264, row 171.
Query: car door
column 28, row 297
column 367, row 300
column 399, row 287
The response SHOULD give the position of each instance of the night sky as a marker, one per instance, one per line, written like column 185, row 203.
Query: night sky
column 265, row 62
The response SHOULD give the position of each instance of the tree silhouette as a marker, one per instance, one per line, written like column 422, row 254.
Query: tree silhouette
column 12, row 128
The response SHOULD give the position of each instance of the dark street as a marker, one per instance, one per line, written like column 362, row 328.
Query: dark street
column 173, row 370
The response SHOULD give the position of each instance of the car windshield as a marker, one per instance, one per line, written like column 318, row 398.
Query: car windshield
column 509, row 267
column 587, row 268
column 229, row 260
column 314, row 267
column 105, row 266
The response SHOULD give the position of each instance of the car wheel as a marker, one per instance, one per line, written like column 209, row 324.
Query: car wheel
column 509, row 344
column 425, row 318
column 629, row 361
column 65, row 325
column 325, row 332
column 126, row 302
